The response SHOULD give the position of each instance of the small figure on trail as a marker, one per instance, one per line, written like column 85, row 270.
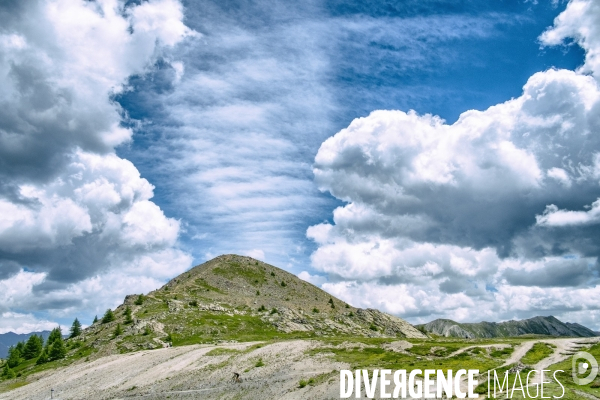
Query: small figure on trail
column 236, row 378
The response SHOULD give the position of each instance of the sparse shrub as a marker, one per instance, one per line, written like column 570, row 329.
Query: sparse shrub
column 140, row 300
column 127, row 313
column 259, row 363
column 109, row 316
column 74, row 344
column 258, row 292
column 262, row 308
column 118, row 331
column 373, row 327
column 283, row 284
column 347, row 306
column 147, row 330
column 272, row 273
column 351, row 314
column 194, row 303
column 169, row 338
column 273, row 311
column 302, row 383
column 315, row 310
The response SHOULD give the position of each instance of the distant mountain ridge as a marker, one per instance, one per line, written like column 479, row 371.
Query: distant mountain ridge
column 10, row 339
column 550, row 326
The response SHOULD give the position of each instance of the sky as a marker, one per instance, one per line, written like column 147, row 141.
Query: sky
column 432, row 159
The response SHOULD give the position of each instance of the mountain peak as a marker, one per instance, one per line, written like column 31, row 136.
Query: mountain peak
column 239, row 298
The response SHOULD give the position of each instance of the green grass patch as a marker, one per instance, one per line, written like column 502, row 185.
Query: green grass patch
column 537, row 353
column 235, row 270
column 221, row 351
column 210, row 327
column 206, row 286
column 502, row 353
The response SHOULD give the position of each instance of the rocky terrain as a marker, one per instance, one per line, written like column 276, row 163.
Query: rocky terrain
column 549, row 326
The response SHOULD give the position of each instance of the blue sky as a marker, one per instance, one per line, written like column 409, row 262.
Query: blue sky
column 354, row 57
column 141, row 138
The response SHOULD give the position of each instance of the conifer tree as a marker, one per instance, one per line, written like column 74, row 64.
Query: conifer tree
column 43, row 358
column 33, row 347
column 14, row 357
column 20, row 346
column 140, row 300
column 54, row 335
column 75, row 328
column 128, row 319
column 7, row 372
column 57, row 350
column 95, row 319
column 108, row 317
column 118, row 330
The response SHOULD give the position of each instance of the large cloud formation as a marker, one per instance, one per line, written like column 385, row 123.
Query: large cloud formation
column 495, row 216
column 76, row 220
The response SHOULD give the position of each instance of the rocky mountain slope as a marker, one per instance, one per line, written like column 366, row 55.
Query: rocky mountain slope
column 236, row 298
column 537, row 326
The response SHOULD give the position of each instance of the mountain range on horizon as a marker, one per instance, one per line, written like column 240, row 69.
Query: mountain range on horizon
column 540, row 325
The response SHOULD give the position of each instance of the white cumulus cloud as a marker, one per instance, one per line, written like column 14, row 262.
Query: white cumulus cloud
column 78, row 229
column 448, row 219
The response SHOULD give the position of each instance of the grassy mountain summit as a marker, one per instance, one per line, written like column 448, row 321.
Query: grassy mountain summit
column 549, row 326
column 236, row 298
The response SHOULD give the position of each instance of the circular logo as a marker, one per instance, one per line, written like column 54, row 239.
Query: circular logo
column 580, row 368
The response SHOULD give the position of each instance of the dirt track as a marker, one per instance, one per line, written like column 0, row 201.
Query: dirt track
column 188, row 373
